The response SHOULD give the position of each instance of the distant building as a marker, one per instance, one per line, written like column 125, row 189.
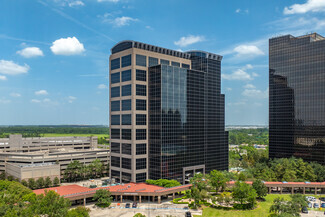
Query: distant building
column 166, row 113
column 38, row 157
column 297, row 97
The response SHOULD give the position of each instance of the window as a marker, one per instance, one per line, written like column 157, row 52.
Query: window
column 115, row 92
column 141, row 60
column 115, row 161
column 141, row 134
column 115, row 120
column 141, row 104
column 141, row 149
column 115, row 106
column 126, row 75
column 126, row 163
column 141, row 119
column 141, row 163
column 126, row 134
column 126, row 149
column 164, row 62
column 115, row 78
column 126, row 119
column 126, row 61
column 115, row 63
column 141, row 177
column 115, row 133
column 153, row 61
column 115, row 147
column 115, row 174
column 141, row 75
column 141, row 90
column 186, row 66
column 126, row 105
column 126, row 177
column 176, row 64
column 126, row 90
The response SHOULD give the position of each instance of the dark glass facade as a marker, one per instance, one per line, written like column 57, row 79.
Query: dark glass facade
column 186, row 119
column 174, row 124
column 297, row 97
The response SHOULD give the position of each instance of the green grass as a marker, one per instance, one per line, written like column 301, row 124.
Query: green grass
column 262, row 209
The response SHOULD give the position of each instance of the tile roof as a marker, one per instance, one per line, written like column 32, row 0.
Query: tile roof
column 69, row 190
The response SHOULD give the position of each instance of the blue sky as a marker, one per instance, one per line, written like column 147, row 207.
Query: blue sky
column 54, row 53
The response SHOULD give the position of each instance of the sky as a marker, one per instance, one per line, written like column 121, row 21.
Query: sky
column 54, row 53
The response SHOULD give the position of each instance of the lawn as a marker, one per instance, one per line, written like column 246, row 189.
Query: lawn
column 261, row 210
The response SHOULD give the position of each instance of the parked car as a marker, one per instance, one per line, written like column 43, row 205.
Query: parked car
column 310, row 205
column 316, row 205
column 127, row 205
column 188, row 214
column 322, row 205
column 304, row 210
column 134, row 205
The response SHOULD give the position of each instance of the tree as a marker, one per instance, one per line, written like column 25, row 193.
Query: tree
column 56, row 182
column 2, row 176
column 40, row 183
column 103, row 198
column 199, row 181
column 97, row 166
column 80, row 211
column 244, row 194
column 48, row 182
column 242, row 177
column 260, row 188
column 139, row 215
column 300, row 200
column 31, row 183
column 51, row 204
column 163, row 182
column 282, row 207
column 217, row 180
column 24, row 183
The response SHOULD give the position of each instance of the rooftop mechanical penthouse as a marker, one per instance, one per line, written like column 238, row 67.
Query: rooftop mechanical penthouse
column 166, row 113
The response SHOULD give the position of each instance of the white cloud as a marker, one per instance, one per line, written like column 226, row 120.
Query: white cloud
column 35, row 101
column 229, row 89
column 238, row 10
column 15, row 95
column 188, row 40
column 254, row 74
column 5, row 101
column 30, row 52
column 256, row 93
column 41, row 92
column 248, row 66
column 240, row 103
column 11, row 68
column 248, row 50
column 67, row 46
column 71, row 99
column 102, row 86
column 309, row 6
column 3, row 78
column 122, row 21
column 249, row 86
column 239, row 74
column 76, row 3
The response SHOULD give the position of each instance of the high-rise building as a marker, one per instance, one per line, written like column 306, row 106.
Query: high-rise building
column 166, row 113
column 297, row 97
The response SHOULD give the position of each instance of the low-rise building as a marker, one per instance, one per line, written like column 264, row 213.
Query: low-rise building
column 34, row 153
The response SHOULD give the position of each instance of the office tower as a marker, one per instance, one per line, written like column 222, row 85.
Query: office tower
column 297, row 97
column 166, row 113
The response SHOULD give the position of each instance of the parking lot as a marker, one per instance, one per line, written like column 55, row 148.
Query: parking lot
column 150, row 209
